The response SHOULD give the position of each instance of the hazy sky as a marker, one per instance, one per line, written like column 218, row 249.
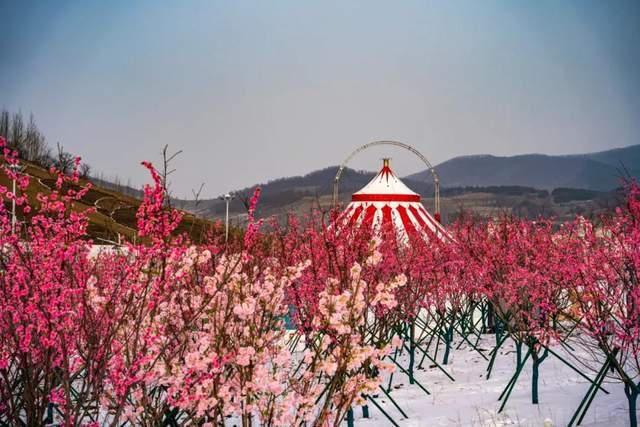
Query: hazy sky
column 252, row 91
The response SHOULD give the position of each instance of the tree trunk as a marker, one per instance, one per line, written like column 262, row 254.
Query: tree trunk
column 448, row 337
column 534, row 382
column 350, row 418
column 491, row 320
column 412, row 350
column 537, row 360
column 632, row 398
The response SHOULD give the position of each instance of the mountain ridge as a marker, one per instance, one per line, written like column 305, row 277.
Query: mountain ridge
column 597, row 172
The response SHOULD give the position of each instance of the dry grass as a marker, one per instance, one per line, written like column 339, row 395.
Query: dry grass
column 115, row 215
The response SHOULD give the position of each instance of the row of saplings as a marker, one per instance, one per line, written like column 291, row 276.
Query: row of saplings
column 169, row 331
column 566, row 291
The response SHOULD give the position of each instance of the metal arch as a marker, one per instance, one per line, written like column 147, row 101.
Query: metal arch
column 434, row 174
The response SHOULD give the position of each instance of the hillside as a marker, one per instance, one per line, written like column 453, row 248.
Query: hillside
column 115, row 215
column 601, row 171
column 624, row 160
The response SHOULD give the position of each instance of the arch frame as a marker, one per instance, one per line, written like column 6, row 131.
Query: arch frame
column 434, row 174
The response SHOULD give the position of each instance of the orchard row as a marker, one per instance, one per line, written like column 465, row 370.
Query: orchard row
column 290, row 325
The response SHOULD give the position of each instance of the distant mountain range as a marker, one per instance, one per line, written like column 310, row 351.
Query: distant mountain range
column 519, row 175
column 601, row 171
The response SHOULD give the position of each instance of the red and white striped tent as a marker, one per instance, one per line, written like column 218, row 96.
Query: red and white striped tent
column 387, row 202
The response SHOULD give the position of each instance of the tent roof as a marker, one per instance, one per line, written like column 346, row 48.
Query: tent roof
column 385, row 186
column 387, row 200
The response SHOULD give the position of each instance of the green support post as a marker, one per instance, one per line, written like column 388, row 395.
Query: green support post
column 432, row 334
column 576, row 370
column 512, row 384
column 394, row 402
column 383, row 411
column 395, row 354
column 170, row 418
column 591, row 393
column 407, row 373
column 435, row 363
column 493, row 356
column 474, row 346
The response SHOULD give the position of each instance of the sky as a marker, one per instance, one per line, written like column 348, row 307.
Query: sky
column 253, row 91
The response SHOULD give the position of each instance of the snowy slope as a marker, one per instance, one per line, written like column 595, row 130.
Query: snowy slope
column 473, row 401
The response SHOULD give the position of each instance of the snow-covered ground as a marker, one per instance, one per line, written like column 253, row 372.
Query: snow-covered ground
column 473, row 401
